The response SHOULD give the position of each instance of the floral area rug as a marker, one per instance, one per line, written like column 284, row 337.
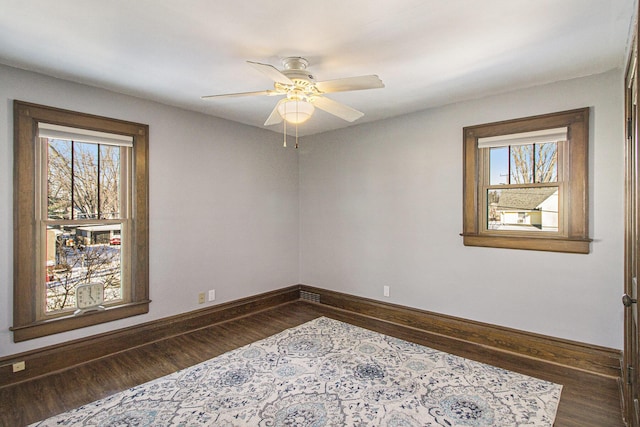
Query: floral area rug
column 328, row 373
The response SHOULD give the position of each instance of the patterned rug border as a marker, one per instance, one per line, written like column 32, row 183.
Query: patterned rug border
column 328, row 373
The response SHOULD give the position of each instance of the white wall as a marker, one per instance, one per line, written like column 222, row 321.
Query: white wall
column 381, row 204
column 376, row 204
column 223, row 202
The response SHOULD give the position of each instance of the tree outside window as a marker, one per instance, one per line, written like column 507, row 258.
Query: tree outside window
column 82, row 183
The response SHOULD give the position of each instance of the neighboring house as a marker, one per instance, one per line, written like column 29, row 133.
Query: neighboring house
column 94, row 234
column 537, row 207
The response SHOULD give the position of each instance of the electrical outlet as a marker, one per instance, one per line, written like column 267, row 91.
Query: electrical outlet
column 201, row 298
column 19, row 366
column 385, row 291
column 212, row 295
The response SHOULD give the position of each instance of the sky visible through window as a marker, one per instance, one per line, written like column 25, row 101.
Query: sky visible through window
column 499, row 165
column 523, row 164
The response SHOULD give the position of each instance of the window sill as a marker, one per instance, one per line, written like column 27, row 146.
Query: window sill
column 533, row 243
column 64, row 324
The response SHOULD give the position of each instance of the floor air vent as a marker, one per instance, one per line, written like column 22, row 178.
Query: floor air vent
column 309, row 296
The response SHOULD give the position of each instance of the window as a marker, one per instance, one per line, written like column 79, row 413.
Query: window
column 81, row 215
column 525, row 183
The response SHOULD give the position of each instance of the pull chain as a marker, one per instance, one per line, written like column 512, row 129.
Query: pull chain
column 284, row 136
column 285, row 133
column 297, row 116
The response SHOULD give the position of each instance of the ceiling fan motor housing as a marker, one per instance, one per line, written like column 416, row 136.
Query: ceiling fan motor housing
column 295, row 68
column 295, row 63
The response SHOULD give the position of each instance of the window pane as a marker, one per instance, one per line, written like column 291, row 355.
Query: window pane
column 521, row 158
column 546, row 162
column 109, row 182
column 58, row 179
column 523, row 209
column 81, row 254
column 499, row 165
column 85, row 180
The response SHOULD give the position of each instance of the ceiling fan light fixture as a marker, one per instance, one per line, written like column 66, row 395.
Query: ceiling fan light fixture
column 296, row 111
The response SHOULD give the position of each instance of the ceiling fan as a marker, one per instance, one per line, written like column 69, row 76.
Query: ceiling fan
column 302, row 93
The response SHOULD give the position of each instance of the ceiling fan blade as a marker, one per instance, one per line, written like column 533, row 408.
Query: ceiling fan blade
column 234, row 95
column 274, row 117
column 350, row 83
column 337, row 109
column 272, row 72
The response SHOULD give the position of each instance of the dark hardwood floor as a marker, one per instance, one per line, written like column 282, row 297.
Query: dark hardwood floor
column 587, row 400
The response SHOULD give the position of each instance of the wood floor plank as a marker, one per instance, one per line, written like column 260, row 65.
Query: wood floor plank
column 587, row 400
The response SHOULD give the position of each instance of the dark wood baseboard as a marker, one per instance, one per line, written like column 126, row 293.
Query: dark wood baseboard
column 570, row 354
column 51, row 359
column 596, row 360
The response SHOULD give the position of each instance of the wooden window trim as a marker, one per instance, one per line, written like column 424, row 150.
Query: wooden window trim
column 26, row 324
column 574, row 236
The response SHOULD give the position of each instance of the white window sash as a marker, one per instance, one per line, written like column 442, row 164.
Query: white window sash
column 524, row 138
column 51, row 131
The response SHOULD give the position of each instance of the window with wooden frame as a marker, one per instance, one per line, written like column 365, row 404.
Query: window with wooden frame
column 80, row 217
column 526, row 183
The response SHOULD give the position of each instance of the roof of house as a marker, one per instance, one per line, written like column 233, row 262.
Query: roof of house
column 524, row 198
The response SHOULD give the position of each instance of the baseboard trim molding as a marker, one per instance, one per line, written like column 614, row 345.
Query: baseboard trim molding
column 594, row 359
column 59, row 357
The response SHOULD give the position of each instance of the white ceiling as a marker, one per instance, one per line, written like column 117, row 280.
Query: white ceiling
column 427, row 52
